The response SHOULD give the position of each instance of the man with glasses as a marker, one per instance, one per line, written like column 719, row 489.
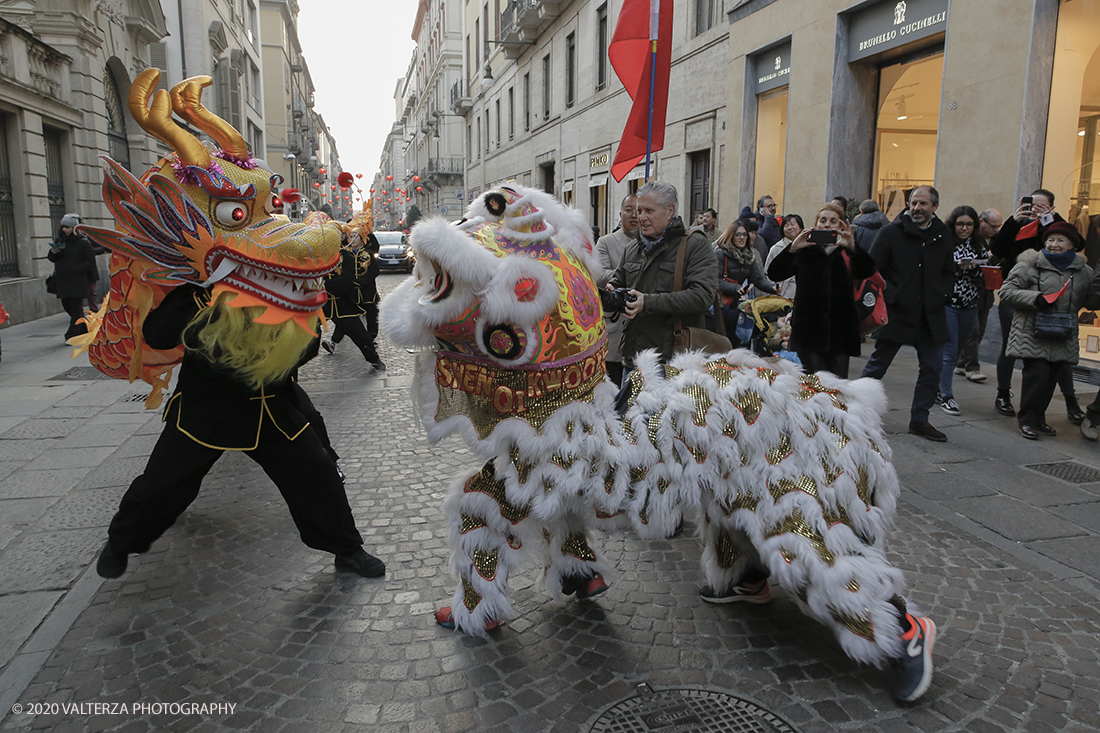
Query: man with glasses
column 609, row 249
column 989, row 223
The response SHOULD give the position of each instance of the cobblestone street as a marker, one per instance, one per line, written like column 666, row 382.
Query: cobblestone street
column 230, row 608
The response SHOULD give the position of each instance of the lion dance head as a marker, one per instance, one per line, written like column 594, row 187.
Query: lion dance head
column 202, row 215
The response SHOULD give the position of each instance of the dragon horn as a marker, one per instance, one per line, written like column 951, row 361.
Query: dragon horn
column 187, row 102
column 157, row 120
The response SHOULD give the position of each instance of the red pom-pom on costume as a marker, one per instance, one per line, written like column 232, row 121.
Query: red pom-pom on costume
column 290, row 195
column 345, row 180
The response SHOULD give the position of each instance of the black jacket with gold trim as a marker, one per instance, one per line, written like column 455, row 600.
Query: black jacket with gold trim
column 210, row 405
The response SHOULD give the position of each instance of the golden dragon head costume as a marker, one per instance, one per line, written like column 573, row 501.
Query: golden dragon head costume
column 202, row 215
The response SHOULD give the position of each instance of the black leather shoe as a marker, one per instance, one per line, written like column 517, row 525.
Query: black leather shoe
column 1045, row 429
column 378, row 366
column 361, row 563
column 1029, row 432
column 1075, row 415
column 111, row 563
column 925, row 430
column 1004, row 406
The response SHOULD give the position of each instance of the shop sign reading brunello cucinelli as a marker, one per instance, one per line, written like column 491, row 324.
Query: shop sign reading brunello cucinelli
column 889, row 24
column 773, row 68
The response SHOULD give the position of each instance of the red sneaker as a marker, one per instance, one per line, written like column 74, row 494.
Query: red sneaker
column 446, row 619
column 592, row 587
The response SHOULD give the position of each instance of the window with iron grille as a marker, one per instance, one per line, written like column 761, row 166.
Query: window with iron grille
column 118, row 147
column 55, row 180
column 9, row 254
column 527, row 101
column 570, row 69
column 601, row 46
column 546, row 87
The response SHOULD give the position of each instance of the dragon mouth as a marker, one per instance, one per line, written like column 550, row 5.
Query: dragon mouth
column 300, row 291
column 438, row 280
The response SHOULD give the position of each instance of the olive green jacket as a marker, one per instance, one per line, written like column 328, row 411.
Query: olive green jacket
column 652, row 274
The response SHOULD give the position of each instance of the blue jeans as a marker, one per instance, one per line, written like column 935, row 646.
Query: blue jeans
column 960, row 324
column 930, row 359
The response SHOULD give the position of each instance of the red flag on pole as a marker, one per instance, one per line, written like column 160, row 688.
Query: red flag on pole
column 642, row 25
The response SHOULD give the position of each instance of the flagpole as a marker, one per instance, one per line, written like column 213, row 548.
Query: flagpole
column 652, row 81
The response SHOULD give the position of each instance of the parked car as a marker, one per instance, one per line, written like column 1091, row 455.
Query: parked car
column 395, row 252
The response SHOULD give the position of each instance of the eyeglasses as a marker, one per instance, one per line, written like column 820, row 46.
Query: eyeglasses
column 741, row 235
column 968, row 224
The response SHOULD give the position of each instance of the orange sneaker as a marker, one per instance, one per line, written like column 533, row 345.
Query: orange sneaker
column 446, row 619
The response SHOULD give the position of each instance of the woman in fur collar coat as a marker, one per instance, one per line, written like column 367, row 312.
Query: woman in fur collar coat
column 738, row 268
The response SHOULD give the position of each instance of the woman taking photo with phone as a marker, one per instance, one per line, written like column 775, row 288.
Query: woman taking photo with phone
column 962, row 311
column 824, row 323
column 738, row 268
column 1046, row 288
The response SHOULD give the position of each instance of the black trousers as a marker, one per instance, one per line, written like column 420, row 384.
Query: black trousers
column 1040, row 377
column 353, row 328
column 75, row 308
column 824, row 361
column 301, row 469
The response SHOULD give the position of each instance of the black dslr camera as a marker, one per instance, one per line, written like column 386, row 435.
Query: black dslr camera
column 614, row 301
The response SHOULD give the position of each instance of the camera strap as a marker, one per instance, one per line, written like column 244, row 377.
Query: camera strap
column 678, row 284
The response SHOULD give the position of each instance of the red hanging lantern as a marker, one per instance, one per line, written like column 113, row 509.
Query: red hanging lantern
column 389, row 178
column 322, row 171
column 316, row 185
column 358, row 175
column 419, row 189
column 372, row 190
column 333, row 187
column 416, row 178
column 345, row 180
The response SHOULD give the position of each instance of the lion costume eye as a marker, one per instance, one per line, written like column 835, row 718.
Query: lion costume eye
column 231, row 214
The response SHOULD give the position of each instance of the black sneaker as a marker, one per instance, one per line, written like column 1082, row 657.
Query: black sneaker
column 111, row 563
column 738, row 594
column 378, row 366
column 328, row 346
column 1074, row 415
column 361, row 563
column 925, row 430
column 1003, row 405
column 914, row 666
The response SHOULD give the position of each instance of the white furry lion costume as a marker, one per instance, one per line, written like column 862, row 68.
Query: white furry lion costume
column 788, row 470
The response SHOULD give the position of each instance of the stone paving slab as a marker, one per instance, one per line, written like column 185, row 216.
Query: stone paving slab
column 25, row 484
column 25, row 612
column 1012, row 519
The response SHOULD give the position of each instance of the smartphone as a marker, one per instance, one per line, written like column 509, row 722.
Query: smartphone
column 966, row 262
column 1026, row 200
column 822, row 236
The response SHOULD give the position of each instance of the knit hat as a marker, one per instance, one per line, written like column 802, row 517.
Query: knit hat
column 1067, row 230
column 70, row 220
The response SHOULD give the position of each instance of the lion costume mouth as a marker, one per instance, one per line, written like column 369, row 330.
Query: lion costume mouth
column 437, row 279
column 300, row 291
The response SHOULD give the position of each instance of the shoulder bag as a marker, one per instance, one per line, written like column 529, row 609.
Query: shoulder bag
column 697, row 339
column 1055, row 326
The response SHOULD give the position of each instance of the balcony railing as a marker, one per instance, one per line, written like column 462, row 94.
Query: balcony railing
column 460, row 97
column 450, row 165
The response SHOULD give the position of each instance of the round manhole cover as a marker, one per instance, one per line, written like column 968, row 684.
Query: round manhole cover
column 688, row 711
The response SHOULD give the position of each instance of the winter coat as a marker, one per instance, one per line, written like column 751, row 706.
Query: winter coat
column 732, row 275
column 1014, row 239
column 919, row 271
column 343, row 288
column 824, row 319
column 865, row 228
column 609, row 249
column 652, row 274
column 74, row 266
column 1031, row 277
column 787, row 288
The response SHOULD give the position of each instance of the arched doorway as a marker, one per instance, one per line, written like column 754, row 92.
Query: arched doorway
column 118, row 146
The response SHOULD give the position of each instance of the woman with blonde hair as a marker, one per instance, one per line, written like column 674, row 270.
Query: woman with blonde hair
column 738, row 268
column 824, row 323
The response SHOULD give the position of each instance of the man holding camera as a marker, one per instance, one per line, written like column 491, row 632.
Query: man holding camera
column 609, row 249
column 647, row 270
column 914, row 257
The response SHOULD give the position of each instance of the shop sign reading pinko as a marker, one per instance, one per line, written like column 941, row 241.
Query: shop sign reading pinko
column 773, row 68
column 893, row 23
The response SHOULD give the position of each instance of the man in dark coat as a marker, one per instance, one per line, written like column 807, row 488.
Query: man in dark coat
column 74, row 271
column 914, row 257
column 867, row 224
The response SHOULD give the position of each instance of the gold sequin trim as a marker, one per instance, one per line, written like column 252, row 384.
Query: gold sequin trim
column 701, row 400
column 744, row 459
column 470, row 597
column 569, row 429
column 523, row 470
column 836, row 516
column 547, row 485
column 662, row 485
column 852, row 585
column 637, row 384
column 788, row 556
column 725, row 551
column 832, row 473
column 730, row 431
column 638, row 474
column 768, row 374
column 469, row 523
column 749, row 404
column 514, row 542
column 671, row 372
column 784, row 486
column 486, row 563
column 484, row 483
column 654, row 424
column 858, row 625
column 720, row 371
column 740, row 501
column 874, row 446
column 601, row 514
column 795, row 523
column 563, row 461
column 628, row 432
column 777, row 453
column 863, row 488
column 577, row 545
column 811, row 386
column 841, row 438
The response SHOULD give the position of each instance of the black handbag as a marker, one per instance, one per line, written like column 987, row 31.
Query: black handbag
column 51, row 285
column 1055, row 326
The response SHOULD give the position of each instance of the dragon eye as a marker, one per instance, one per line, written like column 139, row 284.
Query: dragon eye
column 274, row 204
column 231, row 213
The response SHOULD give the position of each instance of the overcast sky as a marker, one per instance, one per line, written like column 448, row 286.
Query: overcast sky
column 356, row 51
